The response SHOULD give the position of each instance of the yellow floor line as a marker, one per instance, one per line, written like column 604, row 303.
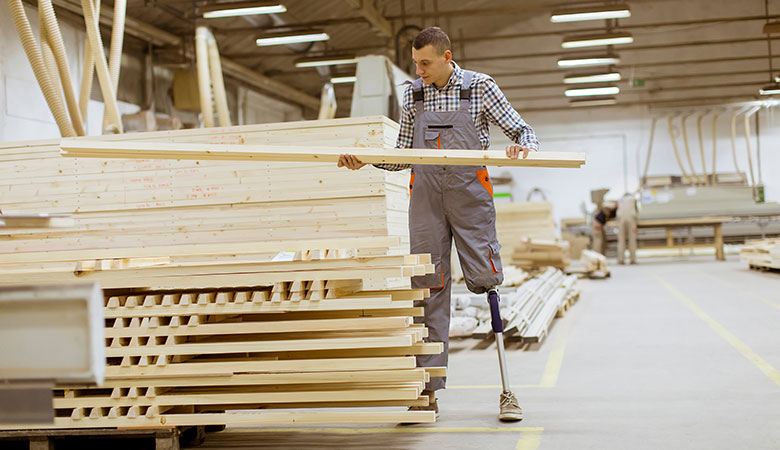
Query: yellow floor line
column 735, row 342
column 530, row 440
column 405, row 429
column 553, row 367
column 740, row 289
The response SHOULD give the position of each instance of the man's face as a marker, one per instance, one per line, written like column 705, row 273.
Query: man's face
column 431, row 65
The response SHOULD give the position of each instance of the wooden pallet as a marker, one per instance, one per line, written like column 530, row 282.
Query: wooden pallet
column 166, row 438
column 297, row 342
column 762, row 255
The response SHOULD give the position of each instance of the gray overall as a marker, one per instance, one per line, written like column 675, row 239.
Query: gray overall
column 450, row 202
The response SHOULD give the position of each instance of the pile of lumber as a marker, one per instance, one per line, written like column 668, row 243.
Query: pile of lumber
column 594, row 262
column 526, row 232
column 527, row 311
column 118, row 203
column 301, row 336
column 534, row 253
column 761, row 254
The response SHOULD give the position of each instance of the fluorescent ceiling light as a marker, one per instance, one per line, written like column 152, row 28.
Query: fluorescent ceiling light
column 325, row 61
column 602, row 60
column 595, row 40
column 592, row 13
column 342, row 80
column 587, row 92
column 772, row 89
column 292, row 39
column 601, row 101
column 241, row 9
column 599, row 77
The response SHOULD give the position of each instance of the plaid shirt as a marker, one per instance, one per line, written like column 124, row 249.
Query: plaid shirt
column 488, row 103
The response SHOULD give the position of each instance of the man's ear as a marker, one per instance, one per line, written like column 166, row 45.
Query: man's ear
column 448, row 55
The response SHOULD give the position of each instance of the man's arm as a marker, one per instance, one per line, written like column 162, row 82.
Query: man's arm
column 405, row 137
column 499, row 111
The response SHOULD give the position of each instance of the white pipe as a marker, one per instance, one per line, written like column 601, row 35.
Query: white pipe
column 54, row 38
column 115, row 55
column 695, row 177
column 328, row 105
column 649, row 150
column 87, row 72
column 218, row 84
column 747, row 142
column 714, row 147
column 204, row 78
column 33, row 52
column 104, row 77
column 701, row 149
column 674, row 147
column 734, row 139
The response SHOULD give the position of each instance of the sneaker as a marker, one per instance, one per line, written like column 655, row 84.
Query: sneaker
column 432, row 406
column 510, row 410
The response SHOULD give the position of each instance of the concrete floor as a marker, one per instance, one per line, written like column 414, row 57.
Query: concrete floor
column 671, row 353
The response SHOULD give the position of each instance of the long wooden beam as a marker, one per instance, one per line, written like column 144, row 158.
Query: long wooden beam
column 199, row 249
column 291, row 153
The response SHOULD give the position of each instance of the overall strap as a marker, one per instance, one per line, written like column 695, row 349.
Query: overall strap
column 465, row 89
column 417, row 94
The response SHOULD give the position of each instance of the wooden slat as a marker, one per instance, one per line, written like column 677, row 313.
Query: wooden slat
column 226, row 152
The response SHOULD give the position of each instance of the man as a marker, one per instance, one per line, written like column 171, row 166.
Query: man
column 604, row 213
column 627, row 228
column 450, row 108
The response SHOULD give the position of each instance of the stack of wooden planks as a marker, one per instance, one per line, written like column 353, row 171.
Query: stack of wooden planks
column 526, row 232
column 231, row 285
column 761, row 254
column 594, row 262
column 534, row 253
column 121, row 203
column 301, row 336
column 527, row 311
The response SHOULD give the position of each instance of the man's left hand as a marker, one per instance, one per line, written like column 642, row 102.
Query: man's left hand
column 513, row 151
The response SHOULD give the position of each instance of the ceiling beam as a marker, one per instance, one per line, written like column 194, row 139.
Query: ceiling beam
column 378, row 22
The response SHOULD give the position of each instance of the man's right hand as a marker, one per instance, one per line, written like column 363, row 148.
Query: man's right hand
column 350, row 162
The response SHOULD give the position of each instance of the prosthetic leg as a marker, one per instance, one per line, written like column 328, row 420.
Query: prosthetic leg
column 510, row 410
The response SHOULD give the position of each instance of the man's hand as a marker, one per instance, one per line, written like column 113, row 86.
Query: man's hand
column 513, row 151
column 350, row 162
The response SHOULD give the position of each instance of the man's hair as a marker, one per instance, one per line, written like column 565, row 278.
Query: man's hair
column 434, row 36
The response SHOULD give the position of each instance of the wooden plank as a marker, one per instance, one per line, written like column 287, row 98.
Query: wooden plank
column 201, row 249
column 262, row 346
column 226, row 152
column 253, row 418
column 650, row 223
column 274, row 366
column 367, row 376
column 242, row 397
column 276, row 326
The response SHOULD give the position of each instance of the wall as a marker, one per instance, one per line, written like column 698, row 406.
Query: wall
column 615, row 141
column 24, row 113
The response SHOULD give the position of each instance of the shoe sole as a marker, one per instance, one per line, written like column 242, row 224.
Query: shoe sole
column 510, row 417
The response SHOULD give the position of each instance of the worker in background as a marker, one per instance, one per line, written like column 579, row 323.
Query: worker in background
column 627, row 227
column 604, row 213
column 451, row 108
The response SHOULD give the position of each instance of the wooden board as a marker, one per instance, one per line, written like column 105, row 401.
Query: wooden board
column 79, row 147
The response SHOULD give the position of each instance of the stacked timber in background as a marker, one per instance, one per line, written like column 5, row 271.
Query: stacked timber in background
column 761, row 254
column 527, row 310
column 132, row 203
column 526, row 232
